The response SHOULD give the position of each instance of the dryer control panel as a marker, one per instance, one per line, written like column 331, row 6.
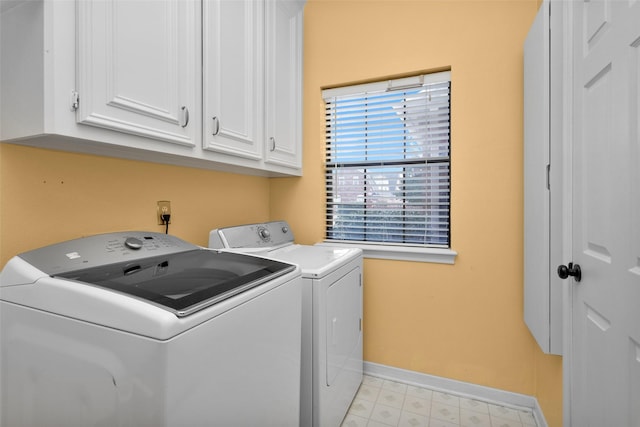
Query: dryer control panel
column 262, row 235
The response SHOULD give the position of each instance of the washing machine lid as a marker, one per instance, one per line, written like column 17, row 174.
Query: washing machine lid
column 156, row 268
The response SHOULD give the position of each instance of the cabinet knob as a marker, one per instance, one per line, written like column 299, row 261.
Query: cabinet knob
column 572, row 269
column 185, row 116
column 272, row 140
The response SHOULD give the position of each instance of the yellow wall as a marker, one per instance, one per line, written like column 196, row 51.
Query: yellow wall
column 464, row 321
column 49, row 196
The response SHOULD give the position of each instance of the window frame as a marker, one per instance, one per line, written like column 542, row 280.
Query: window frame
column 435, row 253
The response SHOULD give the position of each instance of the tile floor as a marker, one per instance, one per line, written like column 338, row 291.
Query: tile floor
column 384, row 403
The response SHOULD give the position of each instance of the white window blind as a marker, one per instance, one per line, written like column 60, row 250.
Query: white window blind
column 388, row 162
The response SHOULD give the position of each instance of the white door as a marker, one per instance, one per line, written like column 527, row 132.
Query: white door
column 138, row 68
column 233, row 70
column 605, row 347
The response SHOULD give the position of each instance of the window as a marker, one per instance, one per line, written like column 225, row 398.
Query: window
column 388, row 163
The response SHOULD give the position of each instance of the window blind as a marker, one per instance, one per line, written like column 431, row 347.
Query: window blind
column 387, row 165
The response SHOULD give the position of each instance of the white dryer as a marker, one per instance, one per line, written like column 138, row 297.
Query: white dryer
column 331, row 315
column 144, row 329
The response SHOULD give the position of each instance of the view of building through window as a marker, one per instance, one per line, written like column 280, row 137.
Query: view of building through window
column 388, row 163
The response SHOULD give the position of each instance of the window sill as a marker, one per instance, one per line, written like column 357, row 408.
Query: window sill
column 401, row 253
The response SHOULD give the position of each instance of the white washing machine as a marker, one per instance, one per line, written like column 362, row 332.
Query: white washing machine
column 144, row 329
column 331, row 315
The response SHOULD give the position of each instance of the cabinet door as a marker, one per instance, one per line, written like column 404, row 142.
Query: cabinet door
column 138, row 67
column 543, row 199
column 284, row 83
column 233, row 70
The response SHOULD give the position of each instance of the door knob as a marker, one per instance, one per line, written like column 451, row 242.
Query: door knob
column 572, row 269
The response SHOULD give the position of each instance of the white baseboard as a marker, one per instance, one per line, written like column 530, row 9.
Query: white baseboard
column 473, row 391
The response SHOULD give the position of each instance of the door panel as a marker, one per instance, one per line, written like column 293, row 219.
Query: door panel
column 634, row 127
column 634, row 382
column 597, row 164
column 537, row 290
column 343, row 322
column 596, row 340
column 596, row 20
column 633, row 258
column 283, row 103
column 233, row 86
column 137, row 68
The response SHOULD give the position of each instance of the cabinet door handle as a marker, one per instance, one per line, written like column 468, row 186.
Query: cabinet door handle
column 216, row 125
column 272, row 140
column 185, row 116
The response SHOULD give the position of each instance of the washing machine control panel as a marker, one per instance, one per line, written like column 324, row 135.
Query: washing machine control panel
column 103, row 249
column 263, row 235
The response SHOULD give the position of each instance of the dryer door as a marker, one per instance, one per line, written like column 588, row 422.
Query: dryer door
column 343, row 327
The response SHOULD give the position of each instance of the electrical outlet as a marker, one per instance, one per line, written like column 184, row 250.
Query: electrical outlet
column 164, row 208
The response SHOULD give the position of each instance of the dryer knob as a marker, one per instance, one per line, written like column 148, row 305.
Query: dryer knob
column 285, row 230
column 264, row 233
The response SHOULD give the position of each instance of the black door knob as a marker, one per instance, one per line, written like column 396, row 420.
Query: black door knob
column 572, row 269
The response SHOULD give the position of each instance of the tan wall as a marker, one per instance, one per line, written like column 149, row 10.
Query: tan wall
column 48, row 196
column 463, row 321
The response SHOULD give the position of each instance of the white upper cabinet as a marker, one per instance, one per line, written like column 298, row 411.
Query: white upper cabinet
column 543, row 184
column 253, row 81
column 233, row 77
column 137, row 68
column 173, row 81
column 283, row 106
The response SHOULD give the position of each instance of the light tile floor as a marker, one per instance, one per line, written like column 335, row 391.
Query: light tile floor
column 384, row 403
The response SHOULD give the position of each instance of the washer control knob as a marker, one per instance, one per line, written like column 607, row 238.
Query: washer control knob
column 264, row 234
column 285, row 230
column 133, row 243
